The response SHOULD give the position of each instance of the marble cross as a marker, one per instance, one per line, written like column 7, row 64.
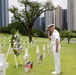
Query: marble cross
column 26, row 58
column 38, row 54
column 3, row 64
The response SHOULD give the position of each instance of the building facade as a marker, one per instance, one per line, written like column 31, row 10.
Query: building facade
column 49, row 16
column 71, row 14
column 43, row 24
column 59, row 17
column 4, row 13
column 64, row 19
column 38, row 23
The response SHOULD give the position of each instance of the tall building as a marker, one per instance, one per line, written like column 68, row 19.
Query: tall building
column 38, row 23
column 43, row 24
column 64, row 19
column 59, row 17
column 4, row 13
column 71, row 14
column 49, row 16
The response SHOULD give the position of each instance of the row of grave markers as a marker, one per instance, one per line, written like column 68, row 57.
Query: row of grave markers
column 39, row 57
column 28, row 64
column 3, row 63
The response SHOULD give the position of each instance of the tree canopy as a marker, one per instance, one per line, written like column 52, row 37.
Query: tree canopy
column 30, row 11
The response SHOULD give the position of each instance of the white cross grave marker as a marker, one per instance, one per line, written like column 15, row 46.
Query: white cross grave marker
column 26, row 58
column 38, row 54
column 3, row 64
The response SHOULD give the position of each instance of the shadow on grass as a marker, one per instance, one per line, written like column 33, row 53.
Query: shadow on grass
column 19, row 65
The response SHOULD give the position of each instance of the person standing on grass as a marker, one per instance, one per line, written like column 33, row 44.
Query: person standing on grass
column 55, row 43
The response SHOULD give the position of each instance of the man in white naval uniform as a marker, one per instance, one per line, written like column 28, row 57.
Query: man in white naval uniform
column 55, row 42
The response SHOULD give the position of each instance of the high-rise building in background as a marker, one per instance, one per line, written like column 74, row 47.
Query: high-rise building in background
column 4, row 13
column 61, row 18
column 58, row 17
column 43, row 24
column 71, row 14
column 64, row 19
column 38, row 23
column 49, row 16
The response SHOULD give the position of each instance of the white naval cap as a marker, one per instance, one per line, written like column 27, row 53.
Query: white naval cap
column 50, row 25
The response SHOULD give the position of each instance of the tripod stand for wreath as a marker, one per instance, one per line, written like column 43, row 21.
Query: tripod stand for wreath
column 15, row 47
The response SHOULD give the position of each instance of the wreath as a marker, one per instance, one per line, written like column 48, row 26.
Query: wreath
column 16, row 44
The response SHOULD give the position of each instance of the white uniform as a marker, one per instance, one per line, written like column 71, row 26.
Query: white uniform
column 55, row 35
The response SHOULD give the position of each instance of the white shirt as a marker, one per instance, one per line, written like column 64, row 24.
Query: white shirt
column 55, row 35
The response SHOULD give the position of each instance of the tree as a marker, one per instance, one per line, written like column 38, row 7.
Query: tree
column 67, row 34
column 62, row 35
column 17, row 26
column 30, row 12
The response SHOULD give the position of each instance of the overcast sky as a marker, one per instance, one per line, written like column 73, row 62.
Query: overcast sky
column 62, row 3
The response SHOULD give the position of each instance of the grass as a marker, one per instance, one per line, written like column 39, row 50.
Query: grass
column 68, row 58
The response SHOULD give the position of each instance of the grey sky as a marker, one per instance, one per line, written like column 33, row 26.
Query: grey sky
column 62, row 3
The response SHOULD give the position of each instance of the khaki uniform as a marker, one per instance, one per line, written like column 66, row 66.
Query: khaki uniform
column 55, row 35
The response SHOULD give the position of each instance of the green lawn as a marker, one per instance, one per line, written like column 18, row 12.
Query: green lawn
column 68, row 58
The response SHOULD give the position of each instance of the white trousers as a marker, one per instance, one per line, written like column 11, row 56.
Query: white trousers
column 56, row 58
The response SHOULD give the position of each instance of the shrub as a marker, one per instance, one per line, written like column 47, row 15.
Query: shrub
column 21, row 28
column 36, row 32
column 5, row 29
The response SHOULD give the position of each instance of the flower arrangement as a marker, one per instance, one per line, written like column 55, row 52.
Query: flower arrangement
column 16, row 44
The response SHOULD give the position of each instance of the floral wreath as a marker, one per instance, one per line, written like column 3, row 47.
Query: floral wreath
column 16, row 44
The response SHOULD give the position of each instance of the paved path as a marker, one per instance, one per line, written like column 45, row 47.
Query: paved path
column 72, row 40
